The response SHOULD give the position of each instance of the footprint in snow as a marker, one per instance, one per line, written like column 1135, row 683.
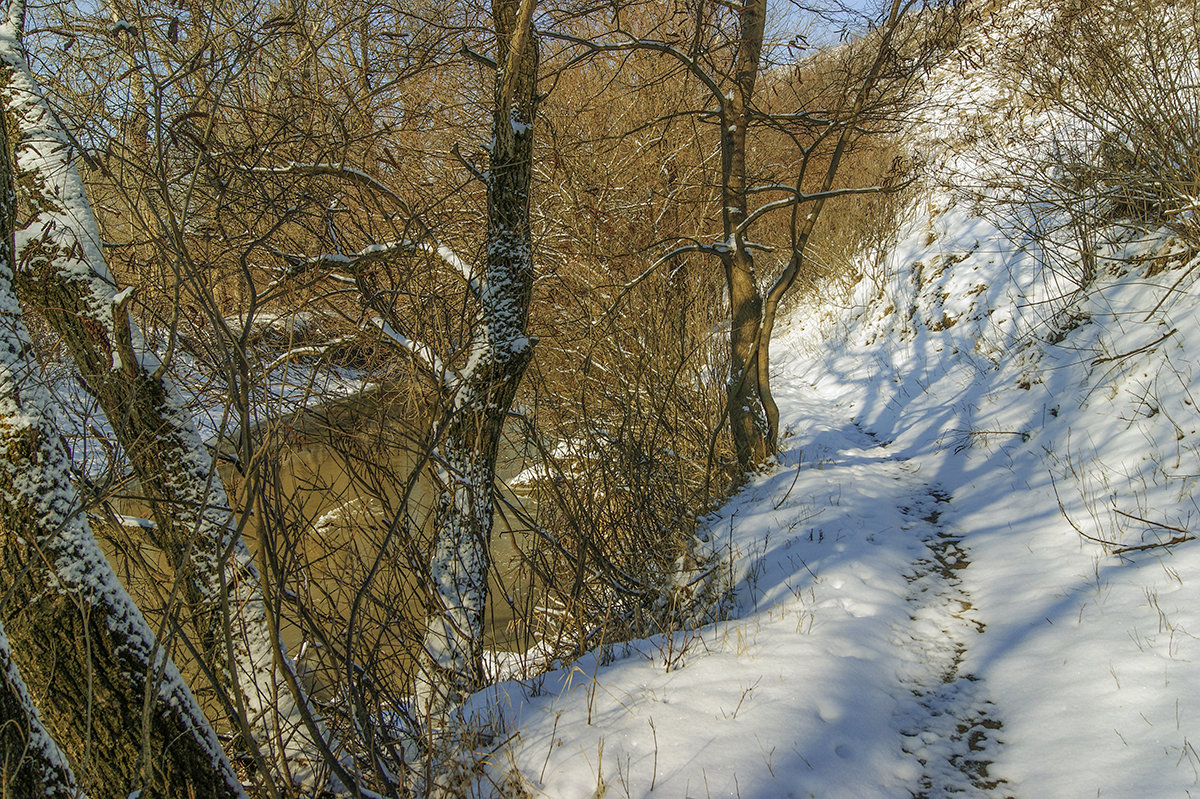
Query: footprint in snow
column 949, row 725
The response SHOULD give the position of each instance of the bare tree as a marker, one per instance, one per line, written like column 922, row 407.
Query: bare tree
column 62, row 273
column 110, row 696
column 500, row 351
column 474, row 381
column 819, row 135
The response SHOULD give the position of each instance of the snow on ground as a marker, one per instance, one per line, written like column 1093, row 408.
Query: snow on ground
column 953, row 583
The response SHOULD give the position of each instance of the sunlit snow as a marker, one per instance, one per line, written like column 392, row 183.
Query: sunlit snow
column 954, row 582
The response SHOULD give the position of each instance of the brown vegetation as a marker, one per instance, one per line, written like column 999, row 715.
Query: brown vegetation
column 530, row 230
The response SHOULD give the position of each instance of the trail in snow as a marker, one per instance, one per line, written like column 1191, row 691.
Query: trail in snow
column 951, row 726
column 915, row 613
column 837, row 676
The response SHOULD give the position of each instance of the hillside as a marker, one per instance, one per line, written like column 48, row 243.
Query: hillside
column 972, row 572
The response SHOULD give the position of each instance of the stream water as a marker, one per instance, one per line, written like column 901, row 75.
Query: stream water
column 335, row 530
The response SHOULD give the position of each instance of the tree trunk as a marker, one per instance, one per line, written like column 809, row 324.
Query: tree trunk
column 747, row 416
column 802, row 226
column 62, row 272
column 31, row 764
column 111, row 698
column 500, row 351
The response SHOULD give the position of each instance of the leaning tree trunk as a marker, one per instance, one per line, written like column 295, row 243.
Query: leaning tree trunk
column 62, row 273
column 110, row 697
column 747, row 416
column 500, row 352
column 33, row 765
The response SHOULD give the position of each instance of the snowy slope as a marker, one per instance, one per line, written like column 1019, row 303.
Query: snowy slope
column 954, row 583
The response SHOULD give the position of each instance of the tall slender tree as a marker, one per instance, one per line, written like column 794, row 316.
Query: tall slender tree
column 819, row 136
column 482, row 394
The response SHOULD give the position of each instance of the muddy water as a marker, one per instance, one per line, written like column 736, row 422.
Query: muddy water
column 334, row 528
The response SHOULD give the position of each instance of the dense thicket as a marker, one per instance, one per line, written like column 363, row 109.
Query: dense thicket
column 389, row 334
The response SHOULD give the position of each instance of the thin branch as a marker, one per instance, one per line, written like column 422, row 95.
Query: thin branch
column 431, row 244
column 1141, row 349
column 799, row 198
column 1063, row 509
column 771, row 187
column 420, row 352
column 800, row 116
column 479, row 57
column 474, row 170
column 1183, row 536
column 1158, row 524
column 710, row 249
column 647, row 44
column 1179, row 539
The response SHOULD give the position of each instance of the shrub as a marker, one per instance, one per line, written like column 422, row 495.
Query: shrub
column 1126, row 73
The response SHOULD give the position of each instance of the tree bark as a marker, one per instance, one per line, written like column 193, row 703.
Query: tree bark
column 111, row 698
column 747, row 417
column 31, row 764
column 62, row 273
column 500, row 352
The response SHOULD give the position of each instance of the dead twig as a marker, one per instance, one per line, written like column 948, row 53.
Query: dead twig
column 1118, row 549
column 1144, row 348
column 1184, row 535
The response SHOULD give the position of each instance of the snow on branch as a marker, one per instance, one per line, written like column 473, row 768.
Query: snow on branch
column 302, row 352
column 375, row 253
column 421, row 353
column 428, row 243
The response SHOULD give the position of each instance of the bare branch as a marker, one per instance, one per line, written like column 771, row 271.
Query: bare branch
column 301, row 352
column 490, row 63
column 422, row 354
column 478, row 175
column 430, row 245
column 798, row 197
column 647, row 44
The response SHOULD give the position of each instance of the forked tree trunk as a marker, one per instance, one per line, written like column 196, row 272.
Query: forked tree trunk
column 500, row 352
column 110, row 697
column 62, row 273
column 804, row 220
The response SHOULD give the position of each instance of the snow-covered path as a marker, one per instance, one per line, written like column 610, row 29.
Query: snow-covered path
column 972, row 573
column 840, row 673
column 912, row 613
column 951, row 725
